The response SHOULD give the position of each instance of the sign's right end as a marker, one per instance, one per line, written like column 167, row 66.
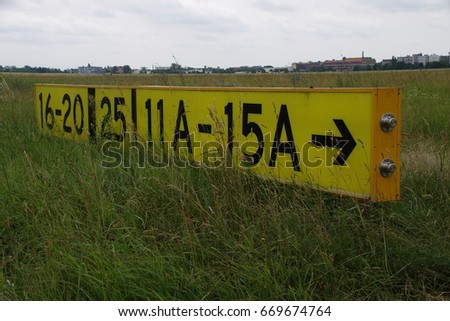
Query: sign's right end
column 386, row 121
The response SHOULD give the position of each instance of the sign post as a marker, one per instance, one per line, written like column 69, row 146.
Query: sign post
column 344, row 140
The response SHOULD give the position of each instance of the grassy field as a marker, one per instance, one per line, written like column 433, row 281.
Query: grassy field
column 72, row 230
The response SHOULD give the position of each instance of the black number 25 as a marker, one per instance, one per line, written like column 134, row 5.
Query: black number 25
column 118, row 115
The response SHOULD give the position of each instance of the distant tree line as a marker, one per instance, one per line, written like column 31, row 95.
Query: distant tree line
column 178, row 69
column 394, row 64
column 29, row 69
column 125, row 69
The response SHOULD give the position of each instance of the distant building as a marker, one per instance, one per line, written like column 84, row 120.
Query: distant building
column 196, row 70
column 386, row 62
column 445, row 58
column 407, row 60
column 434, row 58
column 415, row 58
column 424, row 60
column 349, row 63
column 90, row 70
column 420, row 59
column 307, row 66
column 159, row 69
column 336, row 65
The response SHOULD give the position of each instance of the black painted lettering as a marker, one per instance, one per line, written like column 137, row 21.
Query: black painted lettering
column 287, row 147
column 118, row 115
column 49, row 113
column 105, row 102
column 78, row 104
column 160, row 107
column 182, row 134
column 252, row 127
column 66, row 100
column 42, row 110
column 230, row 125
column 148, row 106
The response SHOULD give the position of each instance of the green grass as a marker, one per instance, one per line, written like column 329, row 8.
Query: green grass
column 72, row 230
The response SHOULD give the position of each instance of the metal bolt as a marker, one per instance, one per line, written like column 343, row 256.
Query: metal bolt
column 387, row 167
column 388, row 122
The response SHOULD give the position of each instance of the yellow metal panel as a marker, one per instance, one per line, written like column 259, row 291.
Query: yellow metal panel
column 386, row 145
column 62, row 111
column 255, row 118
column 113, row 112
column 330, row 139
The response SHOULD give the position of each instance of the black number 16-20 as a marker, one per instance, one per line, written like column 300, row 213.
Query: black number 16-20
column 48, row 115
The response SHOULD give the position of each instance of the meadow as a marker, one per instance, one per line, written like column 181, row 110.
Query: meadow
column 73, row 230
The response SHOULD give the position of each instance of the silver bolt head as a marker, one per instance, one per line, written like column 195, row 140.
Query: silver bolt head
column 388, row 122
column 387, row 167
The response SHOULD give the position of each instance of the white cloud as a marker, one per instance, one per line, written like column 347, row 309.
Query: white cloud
column 276, row 6
column 198, row 32
column 420, row 6
column 7, row 3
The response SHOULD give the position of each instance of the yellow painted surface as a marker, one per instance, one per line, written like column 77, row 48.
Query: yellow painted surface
column 274, row 132
column 62, row 111
column 113, row 112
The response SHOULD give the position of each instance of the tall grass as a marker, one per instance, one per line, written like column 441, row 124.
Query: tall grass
column 72, row 230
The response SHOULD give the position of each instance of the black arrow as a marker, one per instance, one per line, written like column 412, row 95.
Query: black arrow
column 346, row 143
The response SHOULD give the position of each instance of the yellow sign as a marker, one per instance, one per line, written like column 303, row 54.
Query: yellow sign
column 341, row 140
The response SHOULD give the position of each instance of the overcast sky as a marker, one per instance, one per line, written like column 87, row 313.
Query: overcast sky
column 71, row 33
